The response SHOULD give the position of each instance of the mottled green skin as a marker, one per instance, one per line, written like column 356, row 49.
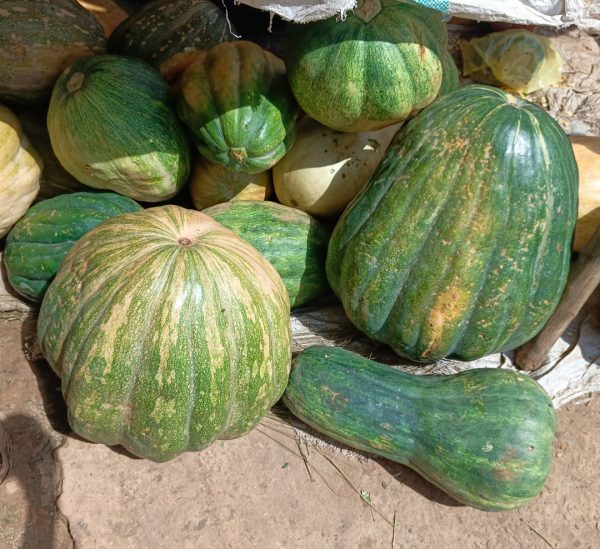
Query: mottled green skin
column 484, row 436
column 55, row 179
column 236, row 100
column 294, row 242
column 39, row 241
column 363, row 73
column 165, row 30
column 112, row 127
column 450, row 77
column 168, row 331
column 38, row 40
column 460, row 243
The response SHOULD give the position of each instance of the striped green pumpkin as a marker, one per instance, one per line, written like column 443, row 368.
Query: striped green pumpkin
column 39, row 241
column 38, row 40
column 112, row 127
column 294, row 242
column 460, row 243
column 451, row 76
column 169, row 34
column 168, row 331
column 236, row 101
column 377, row 67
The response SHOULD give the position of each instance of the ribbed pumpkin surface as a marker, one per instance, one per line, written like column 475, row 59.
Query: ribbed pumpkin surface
column 460, row 243
column 168, row 331
column 169, row 34
column 39, row 241
column 38, row 40
column 112, row 127
column 484, row 436
column 291, row 240
column 378, row 66
column 236, row 101
column 20, row 170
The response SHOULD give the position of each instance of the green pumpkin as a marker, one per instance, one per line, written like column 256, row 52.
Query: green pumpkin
column 291, row 240
column 484, row 436
column 37, row 244
column 169, row 34
column 450, row 77
column 460, row 243
column 55, row 180
column 168, row 331
column 378, row 66
column 38, row 40
column 236, row 101
column 112, row 127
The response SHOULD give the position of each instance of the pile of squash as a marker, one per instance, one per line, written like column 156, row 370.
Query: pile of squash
column 442, row 219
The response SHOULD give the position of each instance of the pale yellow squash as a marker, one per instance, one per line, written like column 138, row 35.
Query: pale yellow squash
column 325, row 169
column 587, row 154
column 212, row 184
column 20, row 171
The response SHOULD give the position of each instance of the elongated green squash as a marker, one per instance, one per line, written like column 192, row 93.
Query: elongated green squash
column 484, row 436
column 169, row 34
column 291, row 240
column 38, row 40
column 460, row 243
column 168, row 332
column 236, row 100
column 37, row 244
column 112, row 127
column 377, row 67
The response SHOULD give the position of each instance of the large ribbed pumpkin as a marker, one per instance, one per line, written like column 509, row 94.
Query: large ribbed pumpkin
column 460, row 243
column 39, row 241
column 168, row 331
column 378, row 66
column 20, row 170
column 170, row 34
column 112, row 127
column 38, row 40
column 236, row 101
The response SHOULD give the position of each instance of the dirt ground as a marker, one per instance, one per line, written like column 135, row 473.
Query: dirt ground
column 257, row 491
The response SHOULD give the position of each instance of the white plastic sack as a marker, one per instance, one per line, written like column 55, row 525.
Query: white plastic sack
column 583, row 13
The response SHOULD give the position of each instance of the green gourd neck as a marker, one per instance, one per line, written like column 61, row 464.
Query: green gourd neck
column 366, row 10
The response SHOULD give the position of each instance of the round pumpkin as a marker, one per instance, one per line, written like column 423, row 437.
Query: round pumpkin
column 325, row 169
column 55, row 180
column 38, row 40
column 587, row 154
column 20, row 170
column 39, row 241
column 450, row 76
column 112, row 127
column 378, row 66
column 212, row 184
column 291, row 240
column 460, row 243
column 236, row 101
column 169, row 34
column 168, row 331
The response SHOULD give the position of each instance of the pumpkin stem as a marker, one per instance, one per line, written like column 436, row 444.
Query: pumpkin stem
column 238, row 154
column 367, row 9
column 75, row 82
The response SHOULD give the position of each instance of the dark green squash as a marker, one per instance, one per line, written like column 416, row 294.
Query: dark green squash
column 450, row 77
column 291, row 240
column 168, row 332
column 169, row 34
column 484, row 436
column 112, row 126
column 38, row 40
column 377, row 67
column 460, row 243
column 37, row 244
column 236, row 100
